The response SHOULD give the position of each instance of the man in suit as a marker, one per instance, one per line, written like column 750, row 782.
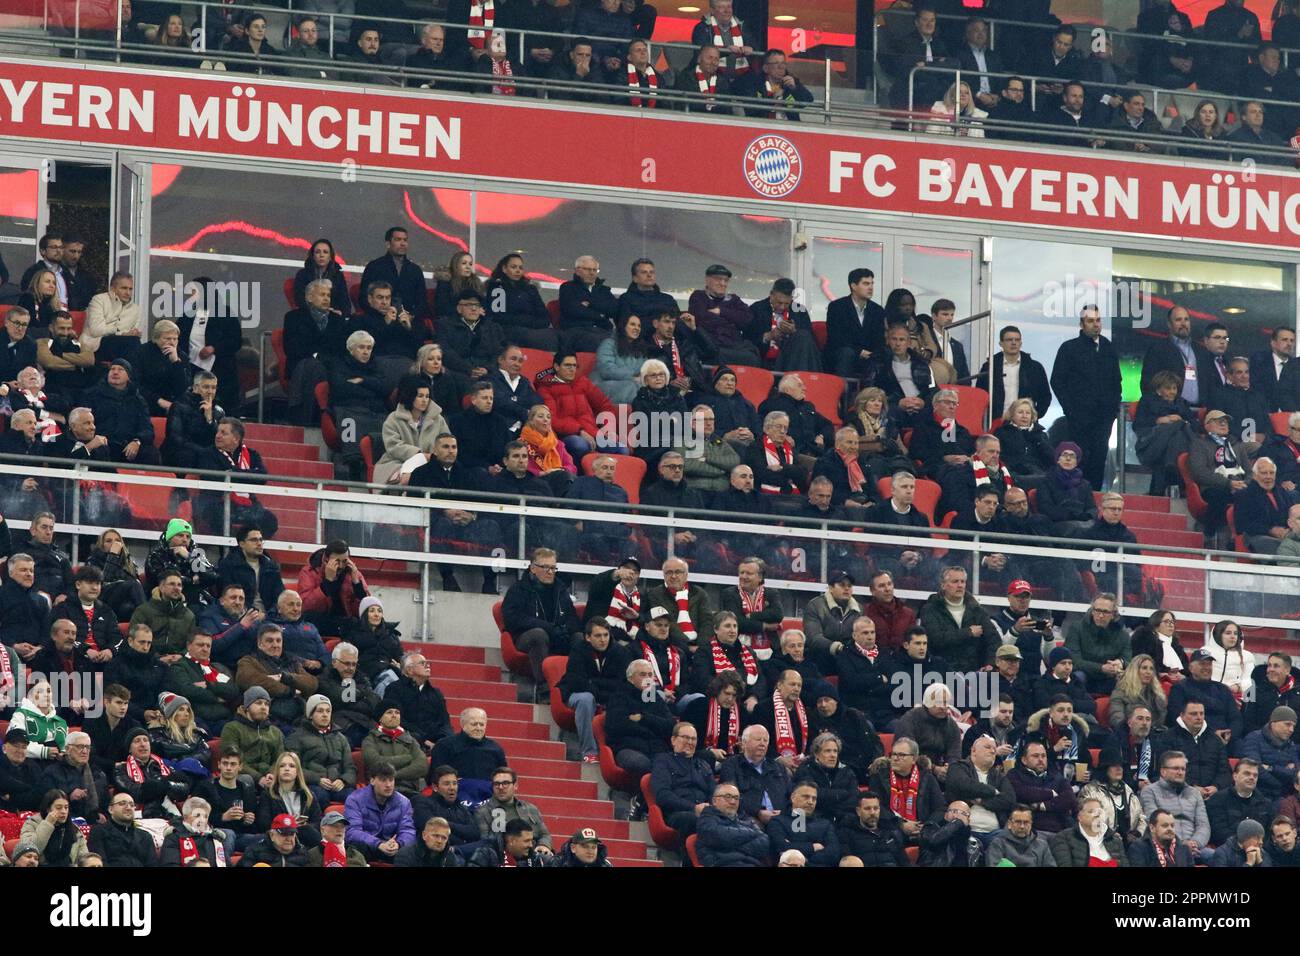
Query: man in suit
column 1261, row 508
column 1184, row 358
column 1057, row 60
column 782, row 331
column 1086, row 381
column 1214, row 372
column 1266, row 367
column 1015, row 375
column 974, row 55
column 405, row 276
column 922, row 47
column 855, row 328
column 942, row 314
column 1246, row 407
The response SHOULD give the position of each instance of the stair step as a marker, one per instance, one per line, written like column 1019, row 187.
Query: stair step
column 526, row 730
column 621, row 862
column 464, row 670
column 504, row 710
column 551, row 786
column 447, row 652
column 567, row 806
column 1155, row 520
column 608, row 829
column 625, row 850
column 529, row 767
column 288, row 449
column 518, row 747
column 1169, row 539
column 1145, row 503
column 298, row 468
column 287, row 433
column 478, row 690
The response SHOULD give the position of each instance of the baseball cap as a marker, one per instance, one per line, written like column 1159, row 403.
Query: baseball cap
column 1019, row 586
column 630, row 561
column 585, row 835
column 841, row 575
column 1201, row 654
column 658, row 612
column 285, row 823
column 1009, row 650
column 333, row 817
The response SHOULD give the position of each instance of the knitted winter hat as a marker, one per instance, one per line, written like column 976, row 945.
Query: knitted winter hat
column 170, row 703
column 255, row 693
column 367, row 603
column 314, row 701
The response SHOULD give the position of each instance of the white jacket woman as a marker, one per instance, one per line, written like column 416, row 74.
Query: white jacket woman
column 410, row 430
column 947, row 110
column 1232, row 662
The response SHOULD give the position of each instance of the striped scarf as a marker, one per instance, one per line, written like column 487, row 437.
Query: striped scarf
column 242, row 462
column 712, row 733
column 482, row 16
column 625, row 611
column 778, row 458
column 684, row 622
column 903, row 792
column 721, row 662
column 651, row 82
column 982, row 473
column 502, row 68
column 674, row 666
column 136, row 772
column 736, row 38
column 785, row 743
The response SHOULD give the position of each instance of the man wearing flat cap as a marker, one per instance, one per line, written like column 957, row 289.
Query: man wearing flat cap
column 334, row 851
column 724, row 318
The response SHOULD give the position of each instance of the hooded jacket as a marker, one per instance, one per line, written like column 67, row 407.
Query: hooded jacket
column 377, row 648
column 172, row 623
column 1036, row 729
column 567, row 858
column 140, row 673
column 929, row 802
column 1266, row 696
column 258, row 743
column 1091, row 646
column 403, row 752
column 325, row 754
column 1275, row 757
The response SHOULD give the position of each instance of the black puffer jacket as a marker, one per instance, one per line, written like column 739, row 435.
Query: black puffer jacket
column 189, row 433
column 121, row 415
column 196, row 571
column 369, row 394
column 376, row 649
column 517, row 305
column 142, row 674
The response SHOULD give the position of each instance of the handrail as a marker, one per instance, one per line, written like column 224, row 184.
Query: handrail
column 1115, row 556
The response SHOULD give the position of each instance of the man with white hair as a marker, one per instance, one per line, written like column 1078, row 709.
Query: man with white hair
column 763, row 782
column 638, row 722
column 772, row 457
column 350, row 694
column 693, row 611
column 424, row 708
column 587, row 306
column 474, row 754
column 73, row 773
column 940, row 442
column 933, row 728
column 811, row 432
column 791, row 858
column 1262, row 507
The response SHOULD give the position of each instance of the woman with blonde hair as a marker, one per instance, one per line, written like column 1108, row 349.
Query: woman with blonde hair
column 1138, row 686
column 41, row 300
column 878, row 435
column 410, row 430
column 460, row 277
column 446, row 388
column 1026, row 449
column 122, row 590
column 967, row 114
column 547, row 456
column 289, row 794
column 162, row 373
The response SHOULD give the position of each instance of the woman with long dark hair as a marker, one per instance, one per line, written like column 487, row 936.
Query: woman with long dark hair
column 515, row 304
column 619, row 359
column 323, row 263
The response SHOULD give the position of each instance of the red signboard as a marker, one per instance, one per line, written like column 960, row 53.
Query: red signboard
column 509, row 142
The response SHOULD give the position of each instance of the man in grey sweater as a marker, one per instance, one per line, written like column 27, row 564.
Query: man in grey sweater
column 1018, row 844
column 1171, row 793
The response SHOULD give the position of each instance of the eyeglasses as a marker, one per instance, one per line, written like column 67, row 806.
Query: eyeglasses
column 16, row 324
column 729, row 796
column 900, row 756
column 670, row 466
column 502, row 783
column 546, row 567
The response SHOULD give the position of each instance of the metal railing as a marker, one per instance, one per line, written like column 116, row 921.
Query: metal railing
column 371, row 517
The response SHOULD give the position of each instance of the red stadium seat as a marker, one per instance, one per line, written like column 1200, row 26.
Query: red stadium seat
column 926, row 498
column 281, row 358
column 78, row 320
column 1239, row 540
column 692, row 842
column 825, row 391
column 553, row 310
column 159, row 431
column 663, row 835
column 328, row 429
column 553, row 669
column 515, row 661
column 819, row 335
column 152, row 504
column 535, row 360
column 972, row 404
column 359, row 761
column 1281, row 422
column 754, row 383
column 368, row 456
column 913, row 854
column 354, row 293
column 887, row 741
column 615, row 776
column 586, row 363
column 629, row 471
column 1103, row 713
column 214, row 749
column 1195, row 503
column 10, row 846
column 288, row 292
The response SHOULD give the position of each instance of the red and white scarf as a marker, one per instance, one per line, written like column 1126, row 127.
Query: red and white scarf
column 774, row 347
column 674, row 666
column 903, row 793
column 6, row 671
column 870, row 654
column 1287, row 685
column 243, row 463
column 684, row 622
column 679, row 370
column 721, row 662
column 1163, row 857
column 482, row 17
column 712, row 733
column 708, row 84
column 45, row 425
column 652, row 85
column 982, row 473
column 189, row 849
column 625, row 610
column 90, row 627
column 735, row 38
column 136, row 772
column 335, row 855
column 785, row 745
column 778, row 459
column 392, row 733
column 771, row 92
column 502, row 68
column 210, row 673
column 854, row 468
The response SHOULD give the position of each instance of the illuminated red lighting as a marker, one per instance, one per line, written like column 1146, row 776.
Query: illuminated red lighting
column 494, row 208
column 18, row 192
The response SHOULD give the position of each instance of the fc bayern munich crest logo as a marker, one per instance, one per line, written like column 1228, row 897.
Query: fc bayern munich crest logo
column 772, row 166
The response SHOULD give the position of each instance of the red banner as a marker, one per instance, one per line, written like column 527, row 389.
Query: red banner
column 510, row 142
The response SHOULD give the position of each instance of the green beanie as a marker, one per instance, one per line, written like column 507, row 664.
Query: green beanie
column 177, row 526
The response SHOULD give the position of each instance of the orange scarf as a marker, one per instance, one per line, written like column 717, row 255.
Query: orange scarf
column 542, row 449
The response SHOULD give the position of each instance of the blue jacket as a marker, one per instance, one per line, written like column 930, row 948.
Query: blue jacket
column 230, row 639
column 679, row 783
column 301, row 639
column 729, row 841
column 782, row 836
column 1254, row 515
column 1221, row 710
column 1280, row 758
column 591, row 488
column 513, row 405
column 371, row 824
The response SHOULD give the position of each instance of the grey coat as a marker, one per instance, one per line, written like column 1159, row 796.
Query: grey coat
column 1188, row 808
column 402, row 440
column 1034, row 851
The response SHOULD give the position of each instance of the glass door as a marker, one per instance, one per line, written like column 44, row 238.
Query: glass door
column 130, row 202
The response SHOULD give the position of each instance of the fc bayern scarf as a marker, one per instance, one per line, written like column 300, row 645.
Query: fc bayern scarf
column 778, row 458
column 502, row 68
column 982, row 476
column 136, row 772
column 735, row 38
column 1165, row 857
column 785, row 745
column 774, row 346
column 625, row 610
column 651, row 86
column 210, row 673
column 189, row 850
column 708, row 84
column 335, row 855
column 714, row 728
column 684, row 622
column 721, row 662
column 903, row 792
column 241, row 462
column 674, row 666
column 482, row 17
column 392, row 733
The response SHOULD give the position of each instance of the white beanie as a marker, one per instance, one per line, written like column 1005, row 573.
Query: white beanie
column 367, row 603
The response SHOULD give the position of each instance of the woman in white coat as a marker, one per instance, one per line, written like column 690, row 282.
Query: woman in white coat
column 410, row 430
column 947, row 109
column 1232, row 662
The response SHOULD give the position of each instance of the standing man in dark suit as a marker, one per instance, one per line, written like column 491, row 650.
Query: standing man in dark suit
column 974, row 55
column 942, row 314
column 1086, row 381
column 1214, row 371
column 1179, row 355
column 405, row 276
column 855, row 328
column 1015, row 375
column 919, row 48
column 1266, row 367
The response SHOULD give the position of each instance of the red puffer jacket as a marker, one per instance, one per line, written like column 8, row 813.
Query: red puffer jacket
column 573, row 405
